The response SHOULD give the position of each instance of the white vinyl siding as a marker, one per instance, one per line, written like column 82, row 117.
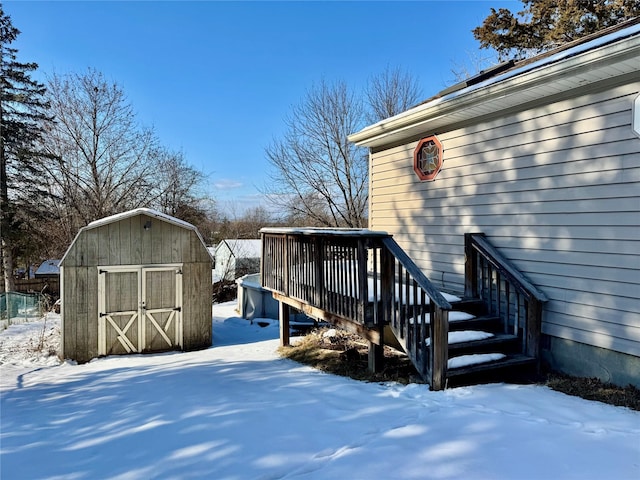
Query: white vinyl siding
column 555, row 187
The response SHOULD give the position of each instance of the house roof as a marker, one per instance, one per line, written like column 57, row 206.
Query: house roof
column 610, row 53
column 49, row 267
column 241, row 248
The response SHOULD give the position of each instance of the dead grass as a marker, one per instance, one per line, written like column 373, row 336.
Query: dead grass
column 594, row 389
column 345, row 354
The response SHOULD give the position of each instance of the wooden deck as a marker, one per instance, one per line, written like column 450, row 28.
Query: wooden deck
column 363, row 281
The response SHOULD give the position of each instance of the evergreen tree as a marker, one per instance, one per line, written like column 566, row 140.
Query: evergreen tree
column 22, row 113
column 546, row 24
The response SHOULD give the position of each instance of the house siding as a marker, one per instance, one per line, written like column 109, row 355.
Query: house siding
column 555, row 187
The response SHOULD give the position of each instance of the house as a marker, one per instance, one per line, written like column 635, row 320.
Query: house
column 543, row 158
column 48, row 269
column 135, row 282
column 234, row 258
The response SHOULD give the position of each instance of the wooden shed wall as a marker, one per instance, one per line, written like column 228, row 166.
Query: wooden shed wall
column 126, row 242
column 555, row 188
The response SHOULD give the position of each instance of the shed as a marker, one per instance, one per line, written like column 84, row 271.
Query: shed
column 543, row 157
column 236, row 257
column 135, row 282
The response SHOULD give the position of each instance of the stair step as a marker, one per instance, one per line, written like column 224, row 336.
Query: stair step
column 502, row 342
column 509, row 362
column 474, row 306
column 487, row 323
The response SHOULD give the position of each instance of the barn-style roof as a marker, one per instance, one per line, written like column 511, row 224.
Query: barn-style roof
column 132, row 213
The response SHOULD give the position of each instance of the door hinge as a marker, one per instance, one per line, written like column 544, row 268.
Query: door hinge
column 177, row 309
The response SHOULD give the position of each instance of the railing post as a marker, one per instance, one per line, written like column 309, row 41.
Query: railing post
column 386, row 284
column 439, row 348
column 363, row 284
column 534, row 328
column 470, row 267
column 318, row 259
column 285, row 266
column 263, row 256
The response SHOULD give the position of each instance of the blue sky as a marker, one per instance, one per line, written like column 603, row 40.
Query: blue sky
column 216, row 79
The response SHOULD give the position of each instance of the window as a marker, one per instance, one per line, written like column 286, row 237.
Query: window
column 427, row 158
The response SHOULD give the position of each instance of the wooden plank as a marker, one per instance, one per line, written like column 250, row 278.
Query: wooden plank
column 92, row 312
column 156, row 242
column 114, row 243
column 146, row 240
column 70, row 313
column 125, row 241
column 83, row 315
column 91, row 244
column 135, row 235
column 197, row 294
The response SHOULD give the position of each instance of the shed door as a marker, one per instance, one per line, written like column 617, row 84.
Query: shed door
column 140, row 309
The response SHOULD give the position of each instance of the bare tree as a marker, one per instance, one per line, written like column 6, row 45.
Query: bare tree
column 475, row 63
column 390, row 93
column 317, row 172
column 104, row 160
column 178, row 187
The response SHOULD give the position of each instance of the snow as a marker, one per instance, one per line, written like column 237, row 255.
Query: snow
column 454, row 315
column 350, row 232
column 49, row 267
column 239, row 411
column 465, row 336
column 466, row 360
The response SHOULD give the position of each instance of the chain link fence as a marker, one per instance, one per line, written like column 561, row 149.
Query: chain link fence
column 16, row 307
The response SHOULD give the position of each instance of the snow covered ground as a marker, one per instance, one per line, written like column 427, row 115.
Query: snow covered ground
column 238, row 411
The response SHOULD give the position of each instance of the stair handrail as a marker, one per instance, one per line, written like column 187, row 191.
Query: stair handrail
column 479, row 242
column 435, row 370
column 421, row 279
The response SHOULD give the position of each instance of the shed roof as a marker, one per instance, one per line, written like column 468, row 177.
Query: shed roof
column 242, row 248
column 132, row 213
column 576, row 65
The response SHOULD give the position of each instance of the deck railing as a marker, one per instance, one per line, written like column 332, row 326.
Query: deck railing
column 363, row 278
column 505, row 291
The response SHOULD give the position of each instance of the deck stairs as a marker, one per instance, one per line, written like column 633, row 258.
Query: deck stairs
column 365, row 281
column 479, row 348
